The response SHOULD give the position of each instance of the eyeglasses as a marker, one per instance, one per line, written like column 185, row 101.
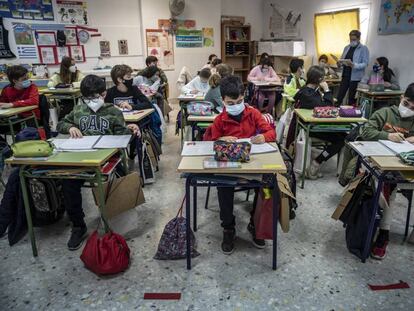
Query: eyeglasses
column 87, row 100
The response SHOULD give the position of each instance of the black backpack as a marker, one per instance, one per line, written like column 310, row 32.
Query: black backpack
column 47, row 203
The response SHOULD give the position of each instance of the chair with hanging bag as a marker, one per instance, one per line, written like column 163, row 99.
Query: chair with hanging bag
column 173, row 242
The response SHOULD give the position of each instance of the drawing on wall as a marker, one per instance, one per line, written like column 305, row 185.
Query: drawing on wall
column 282, row 23
column 61, row 52
column 23, row 34
column 28, row 9
column 208, row 36
column 123, row 47
column 77, row 52
column 160, row 44
column 396, row 16
column 47, row 55
column 72, row 12
column 187, row 38
column 46, row 38
column 71, row 36
column 105, row 48
column 165, row 24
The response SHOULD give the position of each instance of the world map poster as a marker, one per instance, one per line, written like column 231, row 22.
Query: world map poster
column 396, row 17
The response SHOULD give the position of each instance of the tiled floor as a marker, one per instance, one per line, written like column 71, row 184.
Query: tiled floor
column 315, row 272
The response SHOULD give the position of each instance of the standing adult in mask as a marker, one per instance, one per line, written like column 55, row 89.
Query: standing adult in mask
column 68, row 75
column 395, row 124
column 354, row 60
column 20, row 92
column 199, row 84
column 236, row 121
column 264, row 72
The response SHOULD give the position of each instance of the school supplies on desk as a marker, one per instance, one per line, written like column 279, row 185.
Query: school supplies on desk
column 232, row 151
column 92, row 142
column 370, row 148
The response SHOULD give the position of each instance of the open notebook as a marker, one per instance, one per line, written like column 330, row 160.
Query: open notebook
column 92, row 142
column 381, row 148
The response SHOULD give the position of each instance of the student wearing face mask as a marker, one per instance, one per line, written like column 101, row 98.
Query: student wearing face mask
column 20, row 92
column 295, row 80
column 236, row 121
column 329, row 71
column 265, row 72
column 151, row 61
column 214, row 95
column 91, row 117
column 199, row 84
column 68, row 75
column 395, row 124
column 381, row 73
column 354, row 60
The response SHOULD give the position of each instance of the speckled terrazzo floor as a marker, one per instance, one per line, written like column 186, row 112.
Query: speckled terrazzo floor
column 315, row 270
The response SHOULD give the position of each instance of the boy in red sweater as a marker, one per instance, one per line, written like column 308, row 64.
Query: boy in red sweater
column 236, row 121
column 21, row 91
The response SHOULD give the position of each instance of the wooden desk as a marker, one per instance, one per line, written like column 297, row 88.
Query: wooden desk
column 308, row 123
column 197, row 176
column 202, row 118
column 391, row 164
column 136, row 117
column 58, row 94
column 266, row 83
column 88, row 161
column 366, row 98
column 10, row 117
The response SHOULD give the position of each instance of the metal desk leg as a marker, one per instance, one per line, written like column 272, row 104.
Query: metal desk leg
column 182, row 124
column 195, row 208
column 276, row 211
column 193, row 131
column 187, row 220
column 407, row 222
column 27, row 210
column 307, row 131
column 208, row 195
column 368, row 241
column 11, row 130
column 101, row 197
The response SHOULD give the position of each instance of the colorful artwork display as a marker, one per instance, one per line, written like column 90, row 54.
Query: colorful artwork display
column 396, row 16
column 72, row 12
column 28, row 9
column 23, row 34
column 160, row 44
column 187, row 38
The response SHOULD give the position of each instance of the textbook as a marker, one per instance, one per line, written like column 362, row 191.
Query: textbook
column 87, row 143
column 380, row 148
column 397, row 148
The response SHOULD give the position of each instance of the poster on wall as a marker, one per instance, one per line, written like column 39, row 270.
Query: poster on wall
column 396, row 16
column 123, row 47
column 77, row 52
column 23, row 34
column 47, row 55
column 72, row 12
column 187, row 38
column 105, row 48
column 62, row 51
column 5, row 51
column 71, row 36
column 160, row 44
column 165, row 24
column 208, row 37
column 47, row 38
column 27, row 9
column 279, row 27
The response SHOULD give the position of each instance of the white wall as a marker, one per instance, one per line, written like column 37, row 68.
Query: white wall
column 397, row 48
column 251, row 9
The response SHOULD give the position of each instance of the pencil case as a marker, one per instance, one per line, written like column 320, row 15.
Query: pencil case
column 32, row 149
column 232, row 152
column 325, row 112
column 350, row 112
column 200, row 109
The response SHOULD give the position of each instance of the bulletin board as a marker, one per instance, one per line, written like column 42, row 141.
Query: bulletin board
column 33, row 9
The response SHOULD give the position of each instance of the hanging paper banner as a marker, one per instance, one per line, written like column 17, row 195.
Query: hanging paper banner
column 72, row 12
column 160, row 44
column 208, row 36
column 187, row 38
column 33, row 9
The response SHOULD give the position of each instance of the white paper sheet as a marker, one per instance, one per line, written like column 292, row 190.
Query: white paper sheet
column 84, row 143
column 259, row 148
column 397, row 148
column 113, row 141
column 370, row 148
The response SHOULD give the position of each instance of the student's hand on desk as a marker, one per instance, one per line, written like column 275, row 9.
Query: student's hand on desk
column 135, row 129
column 74, row 132
column 6, row 105
column 410, row 139
column 230, row 139
column 194, row 91
column 396, row 137
column 258, row 139
column 125, row 105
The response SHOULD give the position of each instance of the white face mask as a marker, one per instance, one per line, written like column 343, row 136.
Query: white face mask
column 95, row 104
column 353, row 43
column 72, row 69
column 235, row 110
column 405, row 112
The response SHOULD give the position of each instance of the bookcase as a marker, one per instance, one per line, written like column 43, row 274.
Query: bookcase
column 236, row 48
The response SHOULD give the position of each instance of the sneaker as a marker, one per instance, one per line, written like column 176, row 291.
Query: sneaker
column 77, row 237
column 379, row 251
column 313, row 171
column 227, row 246
column 258, row 243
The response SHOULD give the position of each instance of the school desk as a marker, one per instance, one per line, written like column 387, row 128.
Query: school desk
column 10, row 117
column 380, row 168
column 138, row 116
column 309, row 124
column 200, row 122
column 184, row 100
column 197, row 176
column 366, row 99
column 58, row 94
column 90, row 163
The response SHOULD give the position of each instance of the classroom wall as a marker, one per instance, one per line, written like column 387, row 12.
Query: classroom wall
column 397, row 48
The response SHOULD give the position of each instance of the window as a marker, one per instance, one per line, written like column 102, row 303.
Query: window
column 332, row 31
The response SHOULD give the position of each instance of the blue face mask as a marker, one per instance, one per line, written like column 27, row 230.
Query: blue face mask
column 25, row 84
column 235, row 110
column 376, row 68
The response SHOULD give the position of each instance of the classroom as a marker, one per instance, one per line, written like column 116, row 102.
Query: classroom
column 206, row 155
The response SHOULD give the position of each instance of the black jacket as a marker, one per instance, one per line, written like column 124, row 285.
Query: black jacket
column 309, row 98
column 133, row 96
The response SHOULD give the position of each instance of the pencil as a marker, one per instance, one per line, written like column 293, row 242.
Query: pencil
column 392, row 126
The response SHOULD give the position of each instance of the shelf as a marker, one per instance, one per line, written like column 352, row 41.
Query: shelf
column 238, row 41
column 229, row 55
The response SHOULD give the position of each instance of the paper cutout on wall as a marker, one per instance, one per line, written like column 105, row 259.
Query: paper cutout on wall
column 27, row 52
column 208, row 36
column 187, row 38
column 160, row 44
column 61, row 52
column 123, row 47
column 72, row 12
column 33, row 9
column 105, row 48
column 5, row 51
column 23, row 34
column 165, row 24
column 396, row 17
